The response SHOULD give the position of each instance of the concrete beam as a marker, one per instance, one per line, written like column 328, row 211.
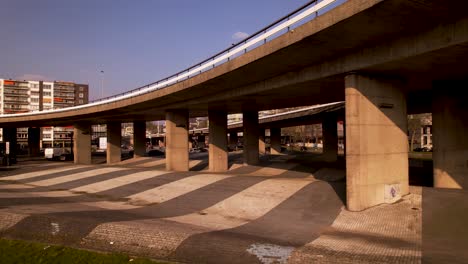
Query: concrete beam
column 217, row 151
column 377, row 143
column 139, row 139
column 177, row 145
column 82, row 143
column 450, row 123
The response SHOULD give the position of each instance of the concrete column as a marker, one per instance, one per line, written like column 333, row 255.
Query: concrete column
column 275, row 140
column 217, row 153
column 450, row 143
column 261, row 142
column 376, row 142
column 330, row 138
column 177, row 156
column 139, row 139
column 82, row 143
column 233, row 138
column 114, row 142
column 34, row 141
column 10, row 135
column 251, row 135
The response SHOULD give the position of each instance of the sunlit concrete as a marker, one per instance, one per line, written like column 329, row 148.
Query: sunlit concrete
column 82, row 143
column 377, row 144
column 114, row 142
column 177, row 156
column 217, row 151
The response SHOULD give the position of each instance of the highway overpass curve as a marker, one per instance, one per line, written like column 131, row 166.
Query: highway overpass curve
column 416, row 40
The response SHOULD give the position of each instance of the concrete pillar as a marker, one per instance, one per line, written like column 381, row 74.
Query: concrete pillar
column 114, row 142
column 275, row 140
column 330, row 138
column 177, row 156
column 82, row 143
column 450, row 143
column 261, row 142
column 139, row 139
column 233, row 138
column 217, row 153
column 34, row 141
column 376, row 142
column 251, row 135
column 10, row 135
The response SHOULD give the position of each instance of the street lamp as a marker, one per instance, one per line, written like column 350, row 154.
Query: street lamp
column 102, row 84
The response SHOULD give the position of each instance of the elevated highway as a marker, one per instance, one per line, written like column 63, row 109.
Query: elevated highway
column 384, row 58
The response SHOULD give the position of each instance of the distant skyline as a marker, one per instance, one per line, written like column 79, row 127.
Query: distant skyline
column 121, row 43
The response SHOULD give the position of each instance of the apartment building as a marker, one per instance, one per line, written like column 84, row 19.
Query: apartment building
column 18, row 96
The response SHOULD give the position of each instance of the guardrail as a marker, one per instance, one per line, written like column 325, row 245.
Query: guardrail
column 307, row 11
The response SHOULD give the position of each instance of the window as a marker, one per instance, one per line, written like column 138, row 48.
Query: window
column 81, row 95
column 81, row 89
column 80, row 101
column 34, row 85
column 34, row 100
column 46, row 93
column 47, row 86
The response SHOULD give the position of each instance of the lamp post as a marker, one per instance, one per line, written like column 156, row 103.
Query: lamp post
column 102, row 84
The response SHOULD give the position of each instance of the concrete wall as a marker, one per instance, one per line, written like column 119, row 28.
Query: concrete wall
column 114, row 142
column 251, row 136
column 218, row 155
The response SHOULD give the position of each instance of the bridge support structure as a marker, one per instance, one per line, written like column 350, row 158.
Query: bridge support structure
column 114, row 142
column 275, row 140
column 34, row 141
column 177, row 145
column 82, row 143
column 251, row 136
column 449, row 125
column 330, row 138
column 139, row 139
column 377, row 143
column 261, row 142
column 217, row 153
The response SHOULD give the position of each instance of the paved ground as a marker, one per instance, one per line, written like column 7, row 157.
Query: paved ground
column 289, row 210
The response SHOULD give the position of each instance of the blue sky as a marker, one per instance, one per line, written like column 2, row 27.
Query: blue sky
column 135, row 42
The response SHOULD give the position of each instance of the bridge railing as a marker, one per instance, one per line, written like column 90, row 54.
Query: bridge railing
column 301, row 15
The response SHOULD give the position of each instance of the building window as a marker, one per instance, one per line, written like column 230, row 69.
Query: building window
column 47, row 86
column 81, row 89
column 81, row 95
column 80, row 101
column 46, row 93
column 34, row 100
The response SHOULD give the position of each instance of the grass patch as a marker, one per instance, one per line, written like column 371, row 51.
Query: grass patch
column 16, row 251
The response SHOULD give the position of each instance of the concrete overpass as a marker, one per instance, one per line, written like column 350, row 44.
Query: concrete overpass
column 379, row 56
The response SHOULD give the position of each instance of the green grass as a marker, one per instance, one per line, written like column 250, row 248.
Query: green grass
column 15, row 251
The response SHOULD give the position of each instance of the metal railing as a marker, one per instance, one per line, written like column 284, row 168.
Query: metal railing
column 309, row 10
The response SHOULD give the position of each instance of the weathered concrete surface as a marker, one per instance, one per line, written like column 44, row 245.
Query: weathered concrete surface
column 450, row 123
column 82, row 143
column 177, row 140
column 114, row 142
column 275, row 140
column 139, row 139
column 377, row 144
column 218, row 155
column 251, row 136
